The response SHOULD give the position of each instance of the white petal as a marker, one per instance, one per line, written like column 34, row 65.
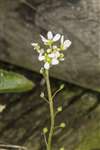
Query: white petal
column 47, row 65
column 54, row 46
column 52, row 55
column 41, row 57
column 57, row 54
column 49, row 35
column 34, row 44
column 43, row 39
column 42, row 51
column 56, row 37
column 55, row 62
column 67, row 43
column 62, row 39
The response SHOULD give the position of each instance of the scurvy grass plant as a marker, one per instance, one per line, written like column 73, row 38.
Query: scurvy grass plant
column 51, row 54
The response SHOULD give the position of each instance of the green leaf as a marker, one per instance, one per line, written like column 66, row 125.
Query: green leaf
column 13, row 82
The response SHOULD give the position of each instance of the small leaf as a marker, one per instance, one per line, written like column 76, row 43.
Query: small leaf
column 13, row 82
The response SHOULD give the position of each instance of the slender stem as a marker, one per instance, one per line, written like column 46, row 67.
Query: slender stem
column 52, row 117
column 45, row 100
column 45, row 140
column 56, row 93
column 12, row 146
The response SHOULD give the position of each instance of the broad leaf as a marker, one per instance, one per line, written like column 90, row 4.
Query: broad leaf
column 13, row 82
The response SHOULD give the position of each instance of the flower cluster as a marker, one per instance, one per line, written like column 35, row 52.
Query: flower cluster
column 53, row 53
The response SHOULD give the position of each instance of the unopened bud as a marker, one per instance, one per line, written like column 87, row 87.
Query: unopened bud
column 62, row 148
column 42, row 94
column 61, row 86
column 45, row 130
column 42, row 70
column 59, row 109
column 62, row 125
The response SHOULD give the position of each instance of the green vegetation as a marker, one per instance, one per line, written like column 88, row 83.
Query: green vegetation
column 13, row 82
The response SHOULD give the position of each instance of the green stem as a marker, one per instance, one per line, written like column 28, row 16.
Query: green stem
column 52, row 117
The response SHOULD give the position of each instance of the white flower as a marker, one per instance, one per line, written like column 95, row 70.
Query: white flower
column 50, row 37
column 41, row 57
column 65, row 44
column 57, row 54
column 47, row 65
column 54, row 61
column 54, row 54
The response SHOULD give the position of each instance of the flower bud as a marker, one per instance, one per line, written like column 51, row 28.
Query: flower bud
column 42, row 70
column 62, row 86
column 42, row 94
column 45, row 130
column 49, row 50
column 62, row 148
column 2, row 107
column 59, row 109
column 62, row 125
